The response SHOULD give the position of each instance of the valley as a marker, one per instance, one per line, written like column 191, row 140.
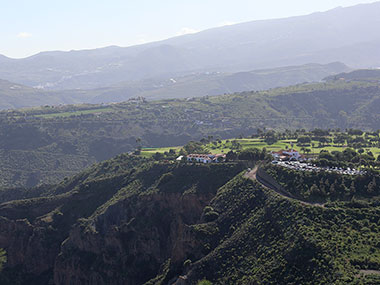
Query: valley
column 203, row 143
column 213, row 224
column 72, row 137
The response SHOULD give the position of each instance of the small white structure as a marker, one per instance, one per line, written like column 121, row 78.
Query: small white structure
column 179, row 158
column 205, row 158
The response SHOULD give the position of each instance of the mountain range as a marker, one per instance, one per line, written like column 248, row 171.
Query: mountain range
column 349, row 35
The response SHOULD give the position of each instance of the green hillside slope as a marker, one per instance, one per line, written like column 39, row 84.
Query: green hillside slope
column 131, row 220
column 80, row 135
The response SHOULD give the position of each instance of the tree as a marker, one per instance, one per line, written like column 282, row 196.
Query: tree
column 194, row 147
column 3, row 258
column 314, row 190
column 355, row 132
column 372, row 186
column 158, row 156
column 204, row 282
column 352, row 188
column 231, row 155
column 303, row 140
column 320, row 132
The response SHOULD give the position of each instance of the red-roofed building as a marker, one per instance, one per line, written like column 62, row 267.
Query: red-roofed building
column 288, row 154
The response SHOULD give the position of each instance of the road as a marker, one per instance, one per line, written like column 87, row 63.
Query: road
column 253, row 176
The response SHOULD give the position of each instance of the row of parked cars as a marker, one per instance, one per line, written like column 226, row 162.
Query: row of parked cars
column 307, row 166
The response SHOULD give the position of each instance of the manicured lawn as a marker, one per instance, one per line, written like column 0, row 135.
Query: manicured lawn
column 149, row 151
column 226, row 145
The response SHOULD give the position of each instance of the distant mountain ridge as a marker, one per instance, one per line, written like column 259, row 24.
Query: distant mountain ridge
column 348, row 35
column 216, row 83
column 360, row 75
column 194, row 85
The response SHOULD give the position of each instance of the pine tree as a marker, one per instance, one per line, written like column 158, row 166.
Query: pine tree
column 371, row 186
column 352, row 188
column 3, row 258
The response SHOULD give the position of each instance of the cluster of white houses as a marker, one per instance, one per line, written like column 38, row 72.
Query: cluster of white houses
column 204, row 158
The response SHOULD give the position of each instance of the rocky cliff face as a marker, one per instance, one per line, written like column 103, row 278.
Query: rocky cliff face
column 129, row 242
column 123, row 225
column 27, row 245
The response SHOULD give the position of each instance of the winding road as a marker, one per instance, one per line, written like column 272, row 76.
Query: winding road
column 253, row 175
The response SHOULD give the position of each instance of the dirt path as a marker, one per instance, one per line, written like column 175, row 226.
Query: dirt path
column 253, row 176
column 370, row 272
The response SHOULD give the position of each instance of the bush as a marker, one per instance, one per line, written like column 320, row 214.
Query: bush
column 3, row 258
column 204, row 282
column 211, row 216
column 187, row 263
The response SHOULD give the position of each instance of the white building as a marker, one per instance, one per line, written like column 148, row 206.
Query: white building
column 289, row 154
column 205, row 158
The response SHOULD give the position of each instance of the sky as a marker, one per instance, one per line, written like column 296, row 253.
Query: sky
column 31, row 26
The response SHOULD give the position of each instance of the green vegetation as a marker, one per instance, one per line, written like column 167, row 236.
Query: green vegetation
column 333, row 148
column 87, row 198
column 204, row 282
column 3, row 259
column 307, row 142
column 323, row 186
column 77, row 136
column 155, row 220
column 263, row 238
column 95, row 111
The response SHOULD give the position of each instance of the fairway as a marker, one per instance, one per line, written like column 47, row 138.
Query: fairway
column 224, row 146
column 150, row 151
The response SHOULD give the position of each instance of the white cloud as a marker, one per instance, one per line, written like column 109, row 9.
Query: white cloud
column 227, row 23
column 24, row 35
column 185, row 31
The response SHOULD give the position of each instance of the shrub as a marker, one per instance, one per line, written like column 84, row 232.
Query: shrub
column 3, row 258
column 211, row 216
column 204, row 282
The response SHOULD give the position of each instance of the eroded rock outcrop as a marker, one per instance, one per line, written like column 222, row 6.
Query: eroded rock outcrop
column 129, row 242
column 126, row 221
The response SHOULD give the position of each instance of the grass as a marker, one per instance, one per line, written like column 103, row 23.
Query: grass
column 226, row 145
column 150, row 151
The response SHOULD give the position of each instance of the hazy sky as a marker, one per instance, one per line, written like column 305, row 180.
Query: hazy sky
column 31, row 26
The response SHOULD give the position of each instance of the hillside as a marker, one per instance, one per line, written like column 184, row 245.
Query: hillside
column 370, row 75
column 73, row 137
column 131, row 220
column 216, row 83
column 13, row 96
column 320, row 37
